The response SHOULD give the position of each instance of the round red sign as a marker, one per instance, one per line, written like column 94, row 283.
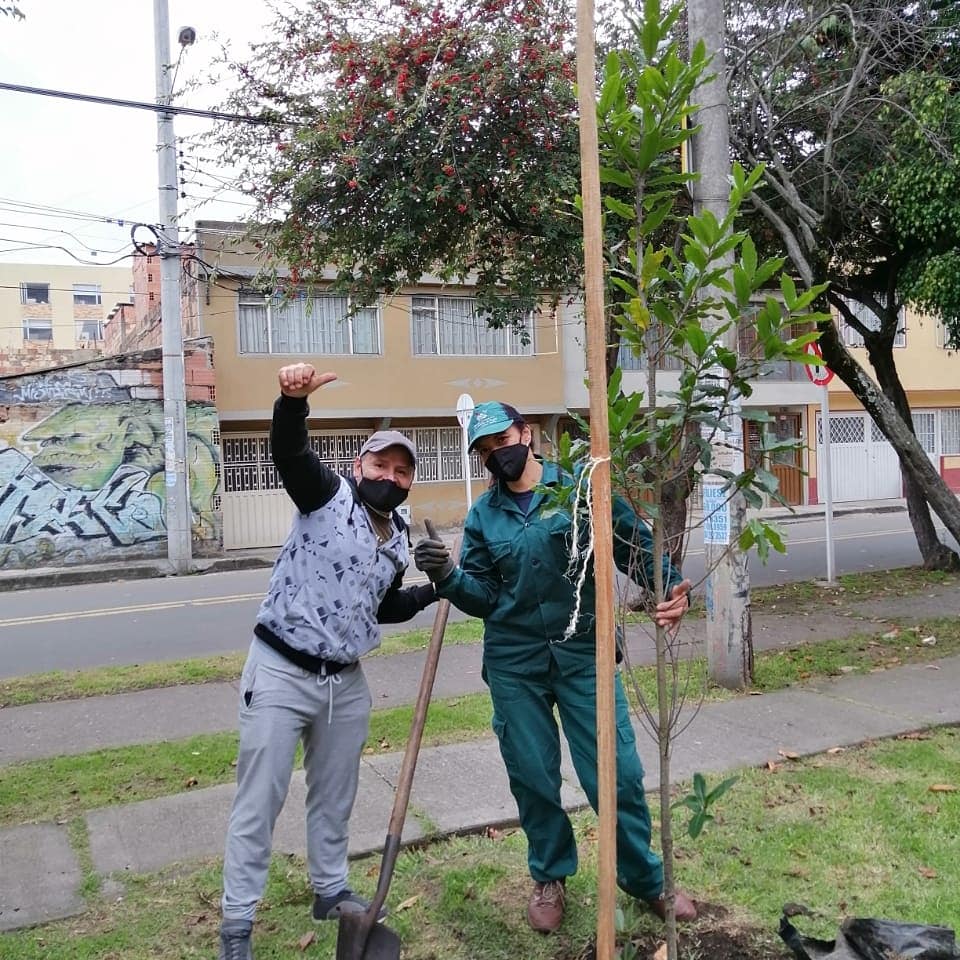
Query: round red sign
column 818, row 375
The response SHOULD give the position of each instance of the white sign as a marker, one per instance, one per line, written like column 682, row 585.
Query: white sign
column 716, row 514
column 464, row 416
column 464, row 410
column 169, row 453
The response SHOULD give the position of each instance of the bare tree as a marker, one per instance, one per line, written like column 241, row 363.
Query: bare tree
column 827, row 96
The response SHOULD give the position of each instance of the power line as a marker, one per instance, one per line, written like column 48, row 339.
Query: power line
column 146, row 105
column 66, row 250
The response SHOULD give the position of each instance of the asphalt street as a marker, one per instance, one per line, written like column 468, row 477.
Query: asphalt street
column 136, row 621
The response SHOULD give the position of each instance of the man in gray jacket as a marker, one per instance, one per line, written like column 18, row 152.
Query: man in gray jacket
column 338, row 576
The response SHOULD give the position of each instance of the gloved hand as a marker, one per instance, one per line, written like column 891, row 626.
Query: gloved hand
column 432, row 556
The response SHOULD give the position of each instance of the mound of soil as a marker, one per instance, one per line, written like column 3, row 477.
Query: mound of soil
column 715, row 935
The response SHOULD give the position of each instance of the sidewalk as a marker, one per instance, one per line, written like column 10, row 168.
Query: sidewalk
column 258, row 558
column 40, row 874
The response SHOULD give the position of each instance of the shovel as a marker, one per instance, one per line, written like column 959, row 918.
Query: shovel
column 359, row 936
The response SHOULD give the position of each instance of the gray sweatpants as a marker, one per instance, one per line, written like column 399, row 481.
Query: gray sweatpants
column 279, row 705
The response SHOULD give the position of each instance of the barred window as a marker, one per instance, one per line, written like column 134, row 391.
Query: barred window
column 321, row 324
column 453, row 326
column 925, row 427
column 247, row 463
column 872, row 322
column 439, row 456
column 950, row 431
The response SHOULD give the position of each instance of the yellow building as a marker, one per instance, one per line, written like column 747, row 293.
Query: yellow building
column 864, row 465
column 401, row 363
column 56, row 307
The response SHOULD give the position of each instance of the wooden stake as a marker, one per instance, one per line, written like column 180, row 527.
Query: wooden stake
column 600, row 487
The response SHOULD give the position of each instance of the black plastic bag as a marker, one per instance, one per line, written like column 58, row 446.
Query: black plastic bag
column 861, row 939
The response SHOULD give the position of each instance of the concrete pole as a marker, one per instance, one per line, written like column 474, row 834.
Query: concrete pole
column 178, row 513
column 729, row 634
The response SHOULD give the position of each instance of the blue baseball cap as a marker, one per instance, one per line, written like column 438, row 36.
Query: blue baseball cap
column 489, row 418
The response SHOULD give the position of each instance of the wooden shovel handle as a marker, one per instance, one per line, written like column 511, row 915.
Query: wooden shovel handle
column 410, row 754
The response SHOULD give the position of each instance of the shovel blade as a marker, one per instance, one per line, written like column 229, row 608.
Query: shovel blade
column 357, row 939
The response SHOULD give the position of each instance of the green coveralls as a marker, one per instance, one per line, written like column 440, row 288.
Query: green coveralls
column 512, row 574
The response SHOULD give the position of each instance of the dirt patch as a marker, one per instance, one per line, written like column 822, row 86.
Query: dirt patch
column 715, row 936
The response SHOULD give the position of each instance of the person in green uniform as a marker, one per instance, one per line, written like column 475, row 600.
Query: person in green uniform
column 513, row 575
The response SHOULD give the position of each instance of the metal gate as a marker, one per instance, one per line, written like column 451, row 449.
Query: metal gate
column 863, row 465
column 256, row 509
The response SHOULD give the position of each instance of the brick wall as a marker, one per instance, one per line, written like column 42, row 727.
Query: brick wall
column 36, row 355
column 81, row 460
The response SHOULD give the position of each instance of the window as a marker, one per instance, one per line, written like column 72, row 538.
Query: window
column 925, row 427
column 91, row 329
column 872, row 322
column 452, row 326
column 439, row 456
column 35, row 293
column 950, row 431
column 86, row 294
column 948, row 337
column 37, row 328
column 247, row 464
column 321, row 324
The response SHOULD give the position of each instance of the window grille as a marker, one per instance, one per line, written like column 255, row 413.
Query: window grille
column 871, row 321
column 950, row 431
column 843, row 430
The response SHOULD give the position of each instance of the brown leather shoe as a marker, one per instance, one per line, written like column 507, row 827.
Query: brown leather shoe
column 545, row 908
column 683, row 907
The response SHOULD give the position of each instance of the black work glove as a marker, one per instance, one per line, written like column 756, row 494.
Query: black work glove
column 425, row 594
column 432, row 556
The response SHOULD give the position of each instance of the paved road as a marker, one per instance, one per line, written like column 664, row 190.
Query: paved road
column 164, row 619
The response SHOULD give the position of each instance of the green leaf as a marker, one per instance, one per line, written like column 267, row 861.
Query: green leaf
column 620, row 208
column 789, row 290
column 612, row 84
column 748, row 257
column 619, row 177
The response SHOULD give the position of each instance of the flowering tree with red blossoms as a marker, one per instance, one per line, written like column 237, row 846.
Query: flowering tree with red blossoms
column 416, row 138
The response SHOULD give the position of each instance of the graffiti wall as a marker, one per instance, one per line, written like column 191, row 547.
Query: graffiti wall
column 82, row 461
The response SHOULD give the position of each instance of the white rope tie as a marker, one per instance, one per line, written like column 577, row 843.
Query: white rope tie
column 584, row 484
column 331, row 680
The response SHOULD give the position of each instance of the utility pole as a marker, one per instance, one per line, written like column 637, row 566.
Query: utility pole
column 178, row 513
column 729, row 632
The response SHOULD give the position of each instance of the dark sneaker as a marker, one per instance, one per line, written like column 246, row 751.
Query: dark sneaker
column 235, row 940
column 683, row 907
column 545, row 908
column 346, row 901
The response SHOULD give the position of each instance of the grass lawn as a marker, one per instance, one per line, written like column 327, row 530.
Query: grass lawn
column 859, row 832
column 61, row 787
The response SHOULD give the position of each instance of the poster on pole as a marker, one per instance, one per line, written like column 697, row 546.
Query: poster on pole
column 716, row 513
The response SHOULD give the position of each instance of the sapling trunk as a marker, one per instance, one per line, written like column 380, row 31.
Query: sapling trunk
column 664, row 716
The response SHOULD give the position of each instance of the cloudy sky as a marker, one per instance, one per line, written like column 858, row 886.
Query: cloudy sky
column 92, row 161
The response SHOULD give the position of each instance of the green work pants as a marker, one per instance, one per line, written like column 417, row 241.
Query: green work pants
column 525, row 725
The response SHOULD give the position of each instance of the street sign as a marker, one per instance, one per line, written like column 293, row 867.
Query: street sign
column 464, row 410
column 464, row 416
column 819, row 375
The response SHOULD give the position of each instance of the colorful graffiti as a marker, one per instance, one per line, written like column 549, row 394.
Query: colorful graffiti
column 82, row 482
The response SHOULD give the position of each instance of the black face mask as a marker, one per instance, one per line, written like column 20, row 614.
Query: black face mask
column 382, row 495
column 507, row 463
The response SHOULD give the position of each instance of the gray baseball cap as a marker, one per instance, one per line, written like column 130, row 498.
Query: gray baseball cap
column 389, row 438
